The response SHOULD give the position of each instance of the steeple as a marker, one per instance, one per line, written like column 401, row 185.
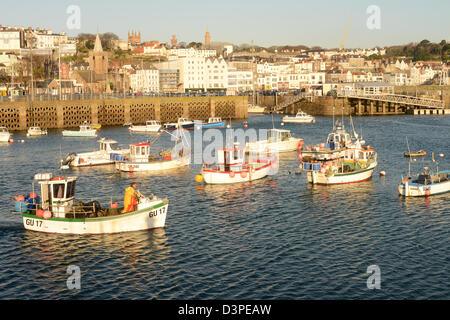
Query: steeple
column 98, row 44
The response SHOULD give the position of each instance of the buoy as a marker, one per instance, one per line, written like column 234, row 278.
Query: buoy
column 114, row 205
column 243, row 174
column 47, row 214
column 11, row 141
column 382, row 173
column 441, row 155
column 428, row 192
column 40, row 213
column 19, row 198
column 231, row 174
column 22, row 141
column 199, row 178
column 228, row 126
column 282, row 124
column 32, row 195
column 57, row 178
column 245, row 126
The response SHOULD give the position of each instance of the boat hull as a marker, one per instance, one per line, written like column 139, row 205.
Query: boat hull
column 189, row 126
column 91, row 133
column 221, row 177
column 419, row 190
column 221, row 124
column 5, row 137
column 317, row 177
column 144, row 128
column 147, row 218
column 293, row 120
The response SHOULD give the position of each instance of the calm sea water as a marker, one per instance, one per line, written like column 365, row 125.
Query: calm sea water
column 276, row 238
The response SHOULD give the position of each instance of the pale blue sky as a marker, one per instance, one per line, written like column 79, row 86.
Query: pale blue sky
column 274, row 22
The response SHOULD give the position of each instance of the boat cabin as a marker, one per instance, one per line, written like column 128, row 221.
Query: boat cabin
column 301, row 114
column 108, row 145
column 231, row 157
column 214, row 120
column 140, row 152
column 362, row 155
column 57, row 194
column 3, row 130
column 34, row 129
column 339, row 139
column 152, row 123
column 277, row 135
column 85, row 128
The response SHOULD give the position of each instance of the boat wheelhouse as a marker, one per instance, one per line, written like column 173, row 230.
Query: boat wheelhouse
column 4, row 134
column 233, row 167
column 85, row 131
column 109, row 151
column 150, row 126
column 277, row 141
column 300, row 117
column 58, row 212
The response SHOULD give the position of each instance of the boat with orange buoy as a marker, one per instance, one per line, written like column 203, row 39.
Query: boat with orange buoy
column 56, row 210
column 234, row 166
column 426, row 183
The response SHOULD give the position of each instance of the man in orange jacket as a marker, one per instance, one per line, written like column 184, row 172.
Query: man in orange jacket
column 131, row 198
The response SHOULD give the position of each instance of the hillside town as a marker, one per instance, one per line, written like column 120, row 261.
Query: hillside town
column 39, row 63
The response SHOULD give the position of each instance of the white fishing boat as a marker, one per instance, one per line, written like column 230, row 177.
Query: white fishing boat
column 109, row 152
column 425, row 184
column 278, row 141
column 340, row 160
column 150, row 126
column 232, row 167
column 36, row 131
column 57, row 212
column 183, row 123
column 5, row 136
column 300, row 117
column 85, row 131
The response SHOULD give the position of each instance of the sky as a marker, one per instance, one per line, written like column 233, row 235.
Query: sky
column 267, row 23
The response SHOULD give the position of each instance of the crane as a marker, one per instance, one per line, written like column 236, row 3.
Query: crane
column 345, row 34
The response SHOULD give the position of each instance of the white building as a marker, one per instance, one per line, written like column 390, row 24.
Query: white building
column 217, row 74
column 145, row 81
column 192, row 73
column 192, row 53
column 9, row 40
column 239, row 81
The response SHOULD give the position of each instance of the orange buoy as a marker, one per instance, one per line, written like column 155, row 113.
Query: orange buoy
column 114, row 205
column 232, row 174
column 40, row 213
column 198, row 178
column 428, row 193
column 243, row 174
column 57, row 178
column 19, row 198
column 32, row 195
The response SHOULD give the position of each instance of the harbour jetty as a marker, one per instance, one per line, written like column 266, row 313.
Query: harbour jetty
column 20, row 115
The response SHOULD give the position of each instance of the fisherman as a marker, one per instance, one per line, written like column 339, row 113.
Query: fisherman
column 131, row 198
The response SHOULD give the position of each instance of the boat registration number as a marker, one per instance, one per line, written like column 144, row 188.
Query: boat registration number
column 32, row 222
column 154, row 213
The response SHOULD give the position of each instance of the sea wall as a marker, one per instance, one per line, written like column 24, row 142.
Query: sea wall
column 114, row 112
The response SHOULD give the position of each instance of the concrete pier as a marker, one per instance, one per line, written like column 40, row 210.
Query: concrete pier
column 115, row 112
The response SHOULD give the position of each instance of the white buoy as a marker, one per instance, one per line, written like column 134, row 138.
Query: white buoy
column 441, row 155
column 228, row 126
column 382, row 173
column 282, row 124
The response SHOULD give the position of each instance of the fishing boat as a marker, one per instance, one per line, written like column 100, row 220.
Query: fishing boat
column 300, row 117
column 5, row 136
column 150, row 126
column 85, row 131
column 56, row 211
column 233, row 167
column 108, row 152
column 36, row 131
column 340, row 160
column 426, row 183
column 182, row 123
column 278, row 141
column 214, row 123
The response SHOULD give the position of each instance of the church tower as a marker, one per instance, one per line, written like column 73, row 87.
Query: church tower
column 98, row 59
column 207, row 39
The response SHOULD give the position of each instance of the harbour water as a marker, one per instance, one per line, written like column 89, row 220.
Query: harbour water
column 276, row 238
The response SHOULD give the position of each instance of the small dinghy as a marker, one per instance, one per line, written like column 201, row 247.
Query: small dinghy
column 56, row 211
column 415, row 154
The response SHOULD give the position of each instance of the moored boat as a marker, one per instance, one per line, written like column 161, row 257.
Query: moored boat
column 278, row 141
column 214, row 123
column 36, row 131
column 415, row 154
column 109, row 152
column 5, row 136
column 57, row 212
column 254, row 109
column 150, row 126
column 183, row 123
column 300, row 117
column 233, row 167
column 85, row 131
